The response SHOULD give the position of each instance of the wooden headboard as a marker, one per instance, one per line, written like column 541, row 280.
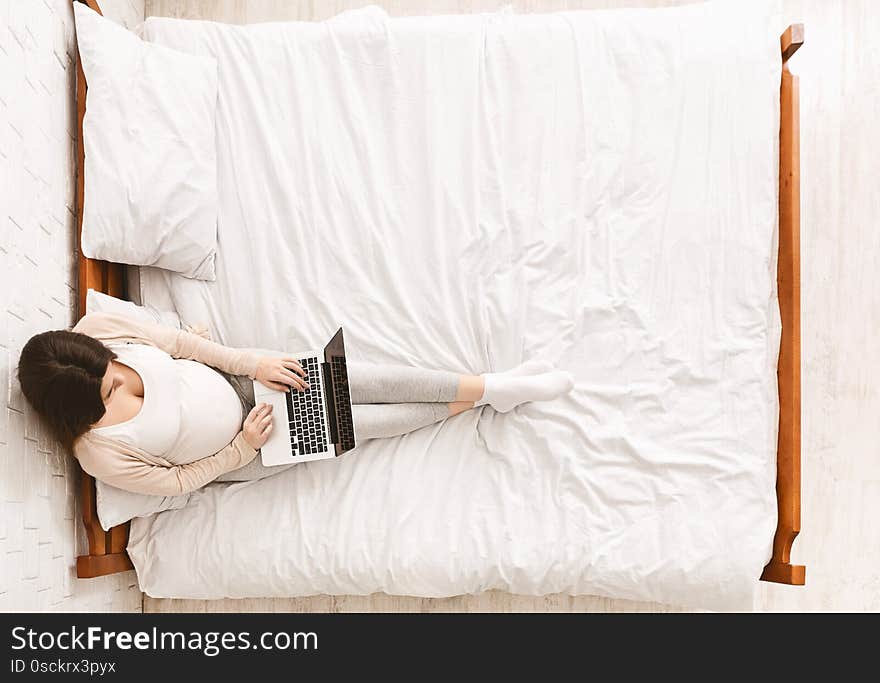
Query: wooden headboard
column 107, row 552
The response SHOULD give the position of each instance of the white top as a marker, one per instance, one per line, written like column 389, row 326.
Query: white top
column 189, row 411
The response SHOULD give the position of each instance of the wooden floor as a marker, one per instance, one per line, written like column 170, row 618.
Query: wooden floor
column 840, row 157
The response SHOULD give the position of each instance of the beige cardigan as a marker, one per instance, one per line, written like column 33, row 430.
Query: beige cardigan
column 125, row 467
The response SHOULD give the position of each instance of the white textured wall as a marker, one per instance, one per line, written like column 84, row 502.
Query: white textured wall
column 40, row 529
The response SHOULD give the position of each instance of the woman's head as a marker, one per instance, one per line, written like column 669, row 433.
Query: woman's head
column 63, row 376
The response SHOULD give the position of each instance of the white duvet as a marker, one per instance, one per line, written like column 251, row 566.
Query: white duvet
column 597, row 189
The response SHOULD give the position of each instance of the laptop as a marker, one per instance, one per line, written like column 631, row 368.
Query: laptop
column 314, row 424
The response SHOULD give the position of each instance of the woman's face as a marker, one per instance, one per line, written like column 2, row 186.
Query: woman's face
column 113, row 379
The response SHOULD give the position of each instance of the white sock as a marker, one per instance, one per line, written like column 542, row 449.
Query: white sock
column 506, row 390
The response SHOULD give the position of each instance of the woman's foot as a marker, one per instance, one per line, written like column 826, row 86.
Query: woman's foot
column 506, row 390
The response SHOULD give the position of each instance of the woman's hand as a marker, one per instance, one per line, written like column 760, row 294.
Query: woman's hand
column 281, row 373
column 258, row 425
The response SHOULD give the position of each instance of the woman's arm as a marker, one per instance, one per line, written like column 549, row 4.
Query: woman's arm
column 126, row 471
column 176, row 343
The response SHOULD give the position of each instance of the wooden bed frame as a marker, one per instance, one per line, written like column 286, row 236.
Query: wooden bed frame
column 107, row 549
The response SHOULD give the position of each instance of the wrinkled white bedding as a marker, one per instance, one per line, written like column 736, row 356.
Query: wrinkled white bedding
column 593, row 188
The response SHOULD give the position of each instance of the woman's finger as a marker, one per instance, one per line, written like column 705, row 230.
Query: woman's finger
column 265, row 430
column 293, row 365
column 291, row 360
column 292, row 379
column 258, row 410
column 288, row 378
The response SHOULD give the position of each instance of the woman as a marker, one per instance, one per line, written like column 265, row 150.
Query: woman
column 144, row 408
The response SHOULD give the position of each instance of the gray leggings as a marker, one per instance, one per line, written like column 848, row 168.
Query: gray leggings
column 387, row 400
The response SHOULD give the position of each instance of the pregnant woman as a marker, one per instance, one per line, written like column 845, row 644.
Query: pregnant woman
column 156, row 410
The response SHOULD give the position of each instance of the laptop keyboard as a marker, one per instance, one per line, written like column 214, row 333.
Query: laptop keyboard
column 340, row 391
column 305, row 412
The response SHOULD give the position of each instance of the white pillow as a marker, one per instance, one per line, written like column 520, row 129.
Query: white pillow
column 150, row 156
column 116, row 506
column 98, row 302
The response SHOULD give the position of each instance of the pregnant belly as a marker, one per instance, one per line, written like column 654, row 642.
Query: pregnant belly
column 210, row 413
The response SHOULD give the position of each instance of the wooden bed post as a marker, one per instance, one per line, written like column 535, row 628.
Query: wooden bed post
column 788, row 456
column 107, row 554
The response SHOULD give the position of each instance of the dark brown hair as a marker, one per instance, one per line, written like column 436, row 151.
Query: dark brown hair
column 60, row 374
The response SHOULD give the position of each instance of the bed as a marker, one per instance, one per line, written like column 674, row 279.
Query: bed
column 671, row 474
